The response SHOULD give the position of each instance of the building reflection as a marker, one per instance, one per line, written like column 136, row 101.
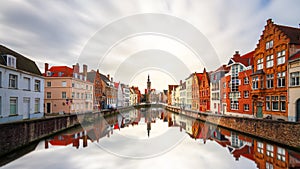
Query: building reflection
column 266, row 155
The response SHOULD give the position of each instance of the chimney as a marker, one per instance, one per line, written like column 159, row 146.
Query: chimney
column 237, row 54
column 108, row 76
column 269, row 21
column 180, row 82
column 84, row 67
column 112, row 79
column 46, row 67
column 76, row 68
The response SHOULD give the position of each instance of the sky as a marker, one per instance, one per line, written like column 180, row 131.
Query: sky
column 167, row 39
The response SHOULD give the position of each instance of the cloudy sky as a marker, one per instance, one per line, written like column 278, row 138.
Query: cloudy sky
column 130, row 39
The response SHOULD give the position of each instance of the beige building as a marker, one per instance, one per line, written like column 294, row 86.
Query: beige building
column 294, row 88
column 67, row 90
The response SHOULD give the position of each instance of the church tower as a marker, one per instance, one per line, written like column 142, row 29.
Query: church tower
column 148, row 90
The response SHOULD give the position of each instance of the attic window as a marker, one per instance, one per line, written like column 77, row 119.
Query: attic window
column 11, row 61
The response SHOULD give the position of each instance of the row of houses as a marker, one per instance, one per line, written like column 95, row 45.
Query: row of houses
column 26, row 93
column 262, row 83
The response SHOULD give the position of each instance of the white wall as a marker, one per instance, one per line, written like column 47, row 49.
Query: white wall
column 20, row 93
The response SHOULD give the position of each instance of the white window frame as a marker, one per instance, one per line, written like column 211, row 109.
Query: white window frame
column 48, row 95
column 260, row 63
column 295, row 79
column 270, row 150
column 260, row 147
column 281, row 154
column 63, row 95
column 37, row 103
column 11, row 61
column 246, row 94
column 270, row 81
column 270, row 61
column 37, row 85
column 64, row 84
column 281, row 79
column 281, row 57
column 246, row 107
column 15, row 100
column 26, row 86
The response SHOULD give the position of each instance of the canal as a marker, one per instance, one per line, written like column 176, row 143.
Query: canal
column 151, row 138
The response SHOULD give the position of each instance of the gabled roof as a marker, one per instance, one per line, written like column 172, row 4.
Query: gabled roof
column 292, row 33
column 22, row 63
column 91, row 76
column 61, row 71
column 246, row 59
column 295, row 56
column 105, row 79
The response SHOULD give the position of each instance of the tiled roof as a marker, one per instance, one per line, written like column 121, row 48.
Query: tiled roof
column 61, row 71
column 105, row 79
column 22, row 63
column 295, row 56
column 246, row 59
column 292, row 33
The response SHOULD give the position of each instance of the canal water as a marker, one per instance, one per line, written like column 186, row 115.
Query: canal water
column 151, row 138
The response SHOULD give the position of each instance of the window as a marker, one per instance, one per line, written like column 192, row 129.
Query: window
column 37, row 85
column 77, row 95
column 64, row 84
column 260, row 147
column 60, row 74
column 13, row 102
column 270, row 150
column 26, row 83
column 246, row 94
column 11, row 61
column 269, row 165
column 281, row 79
column 0, row 105
column 269, row 44
column 73, row 94
column 73, row 84
column 234, row 104
column 270, row 80
column 281, row 57
column 48, row 95
column 270, row 62
column 246, row 107
column 282, row 103
column 37, row 105
column 275, row 105
column 281, row 154
column 48, row 84
column 224, row 95
column 295, row 79
column 246, row 80
column 13, row 81
column 0, row 79
column 268, row 103
column 82, row 95
column 260, row 63
column 86, row 105
column 224, row 85
column 63, row 95
column 255, row 83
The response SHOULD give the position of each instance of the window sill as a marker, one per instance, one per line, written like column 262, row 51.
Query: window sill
column 13, row 115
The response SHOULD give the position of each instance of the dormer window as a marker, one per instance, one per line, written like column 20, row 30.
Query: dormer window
column 11, row 61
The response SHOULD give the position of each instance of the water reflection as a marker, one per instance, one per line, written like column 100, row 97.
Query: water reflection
column 156, row 127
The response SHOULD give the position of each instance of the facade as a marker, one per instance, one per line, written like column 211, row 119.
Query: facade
column 67, row 90
column 98, row 95
column 204, row 90
column 294, row 88
column 110, row 92
column 269, row 78
column 238, row 101
column 215, row 90
column 126, row 94
column 21, row 87
column 224, row 93
column 197, row 77
column 171, row 94
column 189, row 82
column 182, row 97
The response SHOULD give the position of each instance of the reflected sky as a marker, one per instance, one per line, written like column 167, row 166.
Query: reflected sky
column 174, row 142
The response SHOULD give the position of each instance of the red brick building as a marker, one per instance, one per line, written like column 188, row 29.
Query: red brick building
column 269, row 78
column 95, row 78
column 205, row 92
column 197, row 77
column 237, row 88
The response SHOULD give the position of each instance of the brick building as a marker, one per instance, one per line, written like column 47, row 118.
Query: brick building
column 269, row 78
column 204, row 90
column 238, row 101
column 197, row 77
column 98, row 95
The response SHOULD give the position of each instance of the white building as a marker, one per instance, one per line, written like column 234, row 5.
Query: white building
column 189, row 82
column 21, row 87
column 126, row 94
column 183, row 97
column 120, row 97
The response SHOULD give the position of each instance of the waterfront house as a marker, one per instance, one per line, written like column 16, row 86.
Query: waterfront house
column 197, row 77
column 238, row 101
column 67, row 90
column 110, row 92
column 182, row 97
column 294, row 88
column 189, row 82
column 98, row 95
column 205, row 92
column 171, row 94
column 215, row 83
column 21, row 87
column 269, row 78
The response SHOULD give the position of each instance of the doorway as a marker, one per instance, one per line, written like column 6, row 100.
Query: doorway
column 259, row 113
column 298, row 110
column 26, row 108
column 48, row 108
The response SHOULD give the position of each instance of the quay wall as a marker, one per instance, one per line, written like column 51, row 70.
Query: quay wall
column 282, row 132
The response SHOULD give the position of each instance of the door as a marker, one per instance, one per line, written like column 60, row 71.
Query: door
column 298, row 110
column 26, row 108
column 48, row 107
column 259, row 113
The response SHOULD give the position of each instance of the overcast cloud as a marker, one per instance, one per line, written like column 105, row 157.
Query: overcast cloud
column 57, row 31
